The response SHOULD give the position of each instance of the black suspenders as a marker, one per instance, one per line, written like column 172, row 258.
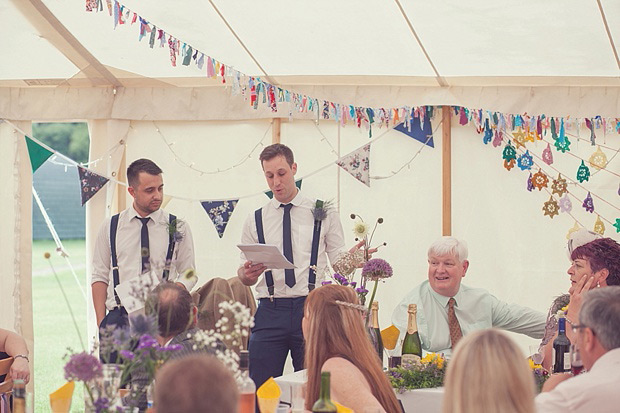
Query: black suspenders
column 316, row 236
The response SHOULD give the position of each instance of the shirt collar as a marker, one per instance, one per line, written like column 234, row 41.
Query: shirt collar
column 443, row 300
column 153, row 215
column 297, row 201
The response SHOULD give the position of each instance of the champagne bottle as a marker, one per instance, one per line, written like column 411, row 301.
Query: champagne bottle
column 378, row 342
column 561, row 348
column 247, row 388
column 324, row 403
column 412, row 347
column 19, row 396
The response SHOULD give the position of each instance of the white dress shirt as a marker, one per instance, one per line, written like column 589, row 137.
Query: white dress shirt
column 475, row 308
column 128, row 250
column 302, row 226
column 594, row 391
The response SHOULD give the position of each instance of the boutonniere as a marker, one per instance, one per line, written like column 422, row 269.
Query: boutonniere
column 320, row 210
column 175, row 229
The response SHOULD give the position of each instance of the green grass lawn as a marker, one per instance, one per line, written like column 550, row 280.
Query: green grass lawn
column 54, row 331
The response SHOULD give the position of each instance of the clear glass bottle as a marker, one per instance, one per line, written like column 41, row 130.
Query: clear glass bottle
column 412, row 347
column 324, row 403
column 19, row 396
column 247, row 388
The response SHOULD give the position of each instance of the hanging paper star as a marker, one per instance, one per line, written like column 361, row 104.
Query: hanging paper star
column 547, row 156
column 599, row 226
column 540, row 180
column 530, row 137
column 509, row 152
column 551, row 208
column 498, row 138
column 565, row 204
column 530, row 185
column 559, row 186
column 588, row 203
column 617, row 225
column 509, row 164
column 562, row 145
column 519, row 138
column 583, row 173
column 598, row 159
column 575, row 228
column 525, row 161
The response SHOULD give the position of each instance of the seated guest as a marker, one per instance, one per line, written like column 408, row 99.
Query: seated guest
column 447, row 310
column 597, row 335
column 336, row 341
column 13, row 345
column 593, row 264
column 193, row 384
column 488, row 373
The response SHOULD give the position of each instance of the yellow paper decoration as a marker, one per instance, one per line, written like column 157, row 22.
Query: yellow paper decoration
column 599, row 226
column 559, row 186
column 575, row 228
column 389, row 336
column 531, row 137
column 598, row 159
column 551, row 208
column 519, row 138
column 60, row 400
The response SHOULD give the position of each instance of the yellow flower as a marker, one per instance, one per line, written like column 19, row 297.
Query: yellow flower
column 533, row 366
column 360, row 229
column 435, row 358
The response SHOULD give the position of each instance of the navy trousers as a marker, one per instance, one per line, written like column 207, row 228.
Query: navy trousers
column 277, row 330
column 117, row 317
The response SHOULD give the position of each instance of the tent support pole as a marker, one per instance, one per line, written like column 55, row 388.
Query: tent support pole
column 275, row 130
column 446, row 163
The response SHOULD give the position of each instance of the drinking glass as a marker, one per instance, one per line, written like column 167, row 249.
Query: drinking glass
column 536, row 354
column 576, row 364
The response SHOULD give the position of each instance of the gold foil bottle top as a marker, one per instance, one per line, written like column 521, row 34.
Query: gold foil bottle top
column 412, row 308
column 375, row 305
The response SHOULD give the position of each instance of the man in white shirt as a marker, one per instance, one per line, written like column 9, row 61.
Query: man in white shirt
column 598, row 341
column 141, row 239
column 447, row 309
column 306, row 238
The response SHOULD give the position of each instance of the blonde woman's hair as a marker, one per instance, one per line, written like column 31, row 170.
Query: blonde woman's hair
column 336, row 329
column 488, row 373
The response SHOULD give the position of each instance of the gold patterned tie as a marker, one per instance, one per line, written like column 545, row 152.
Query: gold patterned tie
column 453, row 323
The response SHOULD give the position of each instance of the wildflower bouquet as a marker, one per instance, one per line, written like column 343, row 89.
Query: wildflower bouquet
column 428, row 373
column 540, row 374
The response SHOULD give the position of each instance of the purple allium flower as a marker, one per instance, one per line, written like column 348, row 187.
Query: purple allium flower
column 376, row 269
column 147, row 341
column 143, row 325
column 126, row 354
column 326, row 282
column 101, row 404
column 353, row 284
column 83, row 367
column 361, row 290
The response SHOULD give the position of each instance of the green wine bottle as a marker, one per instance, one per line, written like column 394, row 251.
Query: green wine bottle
column 376, row 338
column 412, row 347
column 324, row 404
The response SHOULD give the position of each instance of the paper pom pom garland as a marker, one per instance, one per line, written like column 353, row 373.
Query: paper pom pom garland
column 583, row 173
column 598, row 159
column 539, row 180
column 547, row 156
column 565, row 204
column 551, row 208
column 525, row 161
column 588, row 203
column 559, row 186
column 599, row 226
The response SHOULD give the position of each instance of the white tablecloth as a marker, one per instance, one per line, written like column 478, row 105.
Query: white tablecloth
column 421, row 400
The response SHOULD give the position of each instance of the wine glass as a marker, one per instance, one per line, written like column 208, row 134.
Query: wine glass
column 536, row 354
column 576, row 363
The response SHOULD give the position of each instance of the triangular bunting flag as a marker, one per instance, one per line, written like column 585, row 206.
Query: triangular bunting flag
column 420, row 133
column 297, row 184
column 165, row 201
column 357, row 163
column 220, row 212
column 90, row 183
column 38, row 154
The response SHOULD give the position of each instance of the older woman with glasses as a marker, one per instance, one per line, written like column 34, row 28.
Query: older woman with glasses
column 594, row 264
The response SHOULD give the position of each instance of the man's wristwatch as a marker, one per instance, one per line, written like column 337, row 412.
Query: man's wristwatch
column 24, row 356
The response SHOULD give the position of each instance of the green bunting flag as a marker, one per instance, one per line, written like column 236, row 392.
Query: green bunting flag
column 297, row 184
column 38, row 154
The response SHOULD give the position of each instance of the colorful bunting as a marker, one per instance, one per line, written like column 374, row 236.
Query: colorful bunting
column 598, row 159
column 583, row 173
column 220, row 212
column 599, row 226
column 422, row 133
column 575, row 228
column 617, row 225
column 37, row 153
column 530, row 185
column 297, row 184
column 565, row 204
column 539, row 180
column 588, row 203
column 90, row 183
column 547, row 155
column 519, row 138
column 525, row 161
column 357, row 163
column 509, row 164
column 559, row 186
column 551, row 208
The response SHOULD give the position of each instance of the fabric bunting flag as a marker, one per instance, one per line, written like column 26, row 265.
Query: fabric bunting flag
column 357, row 163
column 220, row 212
column 37, row 153
column 90, row 183
column 418, row 132
column 297, row 184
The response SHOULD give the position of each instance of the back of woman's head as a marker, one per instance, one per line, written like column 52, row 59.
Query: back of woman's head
column 334, row 327
column 488, row 373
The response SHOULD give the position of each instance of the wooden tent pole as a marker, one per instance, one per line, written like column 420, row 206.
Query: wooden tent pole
column 275, row 130
column 446, row 163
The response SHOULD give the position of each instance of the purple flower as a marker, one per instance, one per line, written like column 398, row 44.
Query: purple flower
column 326, row 282
column 83, row 367
column 126, row 354
column 101, row 404
column 361, row 290
column 143, row 325
column 353, row 284
column 376, row 269
column 147, row 341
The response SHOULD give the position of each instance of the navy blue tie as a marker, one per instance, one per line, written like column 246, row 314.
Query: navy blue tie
column 144, row 244
column 289, row 274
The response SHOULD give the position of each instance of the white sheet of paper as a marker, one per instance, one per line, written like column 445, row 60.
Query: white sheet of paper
column 267, row 254
column 139, row 283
